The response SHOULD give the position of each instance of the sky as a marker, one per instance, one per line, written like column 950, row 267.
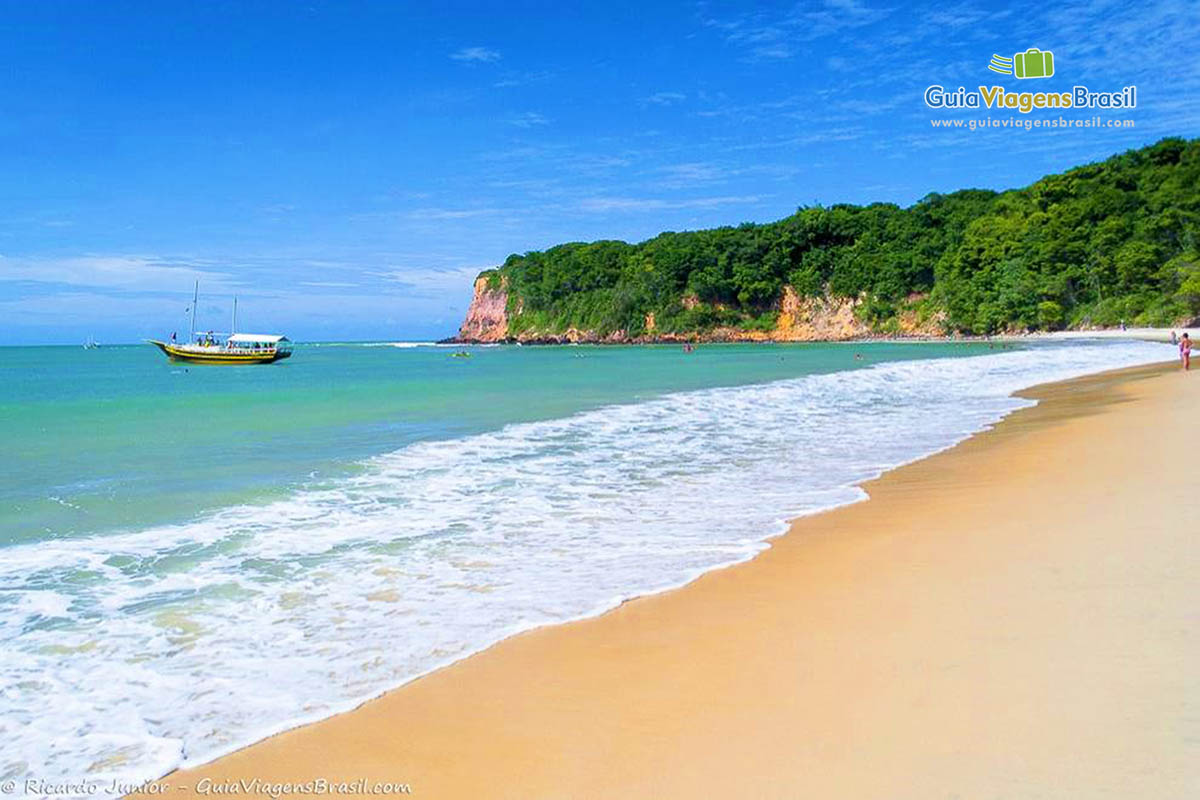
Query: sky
column 346, row 168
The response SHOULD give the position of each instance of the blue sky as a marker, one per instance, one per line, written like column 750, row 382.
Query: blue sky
column 346, row 168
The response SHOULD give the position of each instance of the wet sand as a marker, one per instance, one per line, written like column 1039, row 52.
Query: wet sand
column 1012, row 618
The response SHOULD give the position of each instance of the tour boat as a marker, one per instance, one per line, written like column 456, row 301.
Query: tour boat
column 211, row 347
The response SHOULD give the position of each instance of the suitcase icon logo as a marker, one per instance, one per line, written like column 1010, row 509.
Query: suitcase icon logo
column 1033, row 63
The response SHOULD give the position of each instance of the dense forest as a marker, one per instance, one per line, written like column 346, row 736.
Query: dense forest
column 1094, row 246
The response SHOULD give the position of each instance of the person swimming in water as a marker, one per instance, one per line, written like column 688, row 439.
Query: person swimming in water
column 1185, row 351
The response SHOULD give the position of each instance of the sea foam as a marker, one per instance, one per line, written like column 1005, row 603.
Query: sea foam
column 124, row 656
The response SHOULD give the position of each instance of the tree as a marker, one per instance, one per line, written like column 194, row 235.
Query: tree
column 1101, row 242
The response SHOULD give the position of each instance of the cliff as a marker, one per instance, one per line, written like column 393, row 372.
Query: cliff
column 799, row 319
column 808, row 319
column 487, row 316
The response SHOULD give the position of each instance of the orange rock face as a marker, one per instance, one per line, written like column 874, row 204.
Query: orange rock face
column 487, row 317
column 801, row 319
column 813, row 319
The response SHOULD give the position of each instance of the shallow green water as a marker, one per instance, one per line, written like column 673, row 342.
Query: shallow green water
column 119, row 438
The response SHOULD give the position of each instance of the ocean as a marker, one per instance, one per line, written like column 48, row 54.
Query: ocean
column 195, row 557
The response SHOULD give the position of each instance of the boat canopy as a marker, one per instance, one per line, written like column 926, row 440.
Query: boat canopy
column 264, row 338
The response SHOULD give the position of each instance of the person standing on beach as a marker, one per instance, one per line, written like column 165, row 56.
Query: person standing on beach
column 1185, row 351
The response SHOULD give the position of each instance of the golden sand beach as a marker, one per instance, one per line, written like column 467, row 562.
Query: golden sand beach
column 1012, row 618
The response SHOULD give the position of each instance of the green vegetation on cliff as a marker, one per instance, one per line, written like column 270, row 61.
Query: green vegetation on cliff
column 1098, row 244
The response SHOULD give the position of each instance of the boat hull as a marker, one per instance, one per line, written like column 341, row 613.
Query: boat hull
column 216, row 356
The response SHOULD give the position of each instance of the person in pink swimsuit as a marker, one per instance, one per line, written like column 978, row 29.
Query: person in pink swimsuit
column 1185, row 351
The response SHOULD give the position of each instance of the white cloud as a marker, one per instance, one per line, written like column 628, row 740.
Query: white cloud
column 665, row 98
column 141, row 273
column 690, row 174
column 603, row 204
column 778, row 50
column 509, row 79
column 451, row 213
column 778, row 36
column 528, row 119
column 77, row 306
column 452, row 279
column 476, row 55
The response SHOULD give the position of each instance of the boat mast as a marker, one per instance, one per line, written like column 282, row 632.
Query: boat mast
column 195, row 297
column 233, row 325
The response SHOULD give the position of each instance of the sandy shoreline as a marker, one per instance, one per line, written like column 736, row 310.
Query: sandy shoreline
column 1010, row 618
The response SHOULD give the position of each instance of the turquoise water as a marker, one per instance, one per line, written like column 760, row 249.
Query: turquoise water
column 120, row 438
column 194, row 558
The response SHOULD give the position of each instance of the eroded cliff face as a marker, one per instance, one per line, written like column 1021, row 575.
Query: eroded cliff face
column 801, row 319
column 817, row 319
column 487, row 316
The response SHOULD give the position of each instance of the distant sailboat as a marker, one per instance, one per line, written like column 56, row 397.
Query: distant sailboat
column 91, row 344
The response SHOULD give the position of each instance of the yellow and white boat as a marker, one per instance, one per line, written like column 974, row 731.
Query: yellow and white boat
column 236, row 348
column 210, row 347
